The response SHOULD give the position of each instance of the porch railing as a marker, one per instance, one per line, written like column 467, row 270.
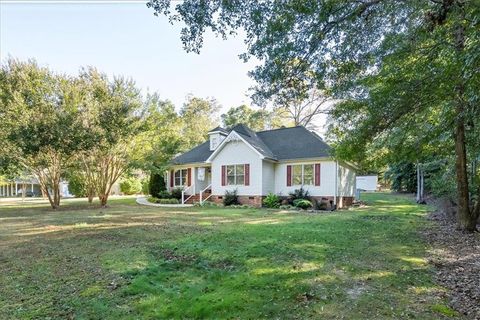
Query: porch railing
column 192, row 187
column 202, row 191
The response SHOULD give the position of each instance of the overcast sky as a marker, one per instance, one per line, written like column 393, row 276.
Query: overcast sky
column 124, row 39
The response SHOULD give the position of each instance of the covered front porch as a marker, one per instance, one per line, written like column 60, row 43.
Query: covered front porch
column 195, row 181
column 15, row 188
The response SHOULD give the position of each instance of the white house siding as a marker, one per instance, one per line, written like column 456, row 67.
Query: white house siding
column 327, row 179
column 237, row 152
column 346, row 182
column 200, row 185
column 268, row 183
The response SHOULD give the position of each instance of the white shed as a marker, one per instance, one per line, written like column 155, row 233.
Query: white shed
column 367, row 183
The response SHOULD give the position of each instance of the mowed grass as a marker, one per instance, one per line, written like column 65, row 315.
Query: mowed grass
column 135, row 262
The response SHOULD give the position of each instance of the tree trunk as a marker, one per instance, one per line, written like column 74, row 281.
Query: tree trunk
column 418, row 182
column 24, row 190
column 466, row 219
column 103, row 200
column 90, row 197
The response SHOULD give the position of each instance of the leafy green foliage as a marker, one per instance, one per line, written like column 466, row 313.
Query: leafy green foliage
column 255, row 119
column 41, row 125
column 176, row 193
column 230, row 198
column 163, row 200
column 131, row 185
column 156, row 184
column 403, row 177
column 76, row 185
column 302, row 203
column 271, row 201
column 198, row 116
column 299, row 194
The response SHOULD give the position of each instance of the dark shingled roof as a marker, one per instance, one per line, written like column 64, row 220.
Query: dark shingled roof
column 219, row 129
column 278, row 144
column 199, row 153
column 294, row 143
column 252, row 138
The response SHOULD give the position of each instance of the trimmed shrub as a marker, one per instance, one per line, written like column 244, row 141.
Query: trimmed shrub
column 271, row 201
column 206, row 204
column 299, row 194
column 177, row 193
column 156, row 184
column 130, row 186
column 230, row 198
column 164, row 195
column 168, row 201
column 163, row 201
column 302, row 203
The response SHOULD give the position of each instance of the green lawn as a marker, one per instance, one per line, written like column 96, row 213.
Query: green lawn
column 131, row 262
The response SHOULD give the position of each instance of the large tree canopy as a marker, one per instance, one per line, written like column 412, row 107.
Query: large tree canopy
column 400, row 67
column 40, row 123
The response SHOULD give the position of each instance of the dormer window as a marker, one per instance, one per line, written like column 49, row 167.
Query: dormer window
column 213, row 143
column 216, row 137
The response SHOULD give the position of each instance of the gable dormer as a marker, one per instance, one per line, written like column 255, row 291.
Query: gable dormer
column 216, row 137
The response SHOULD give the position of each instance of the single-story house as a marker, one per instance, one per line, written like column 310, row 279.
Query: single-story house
column 14, row 188
column 258, row 163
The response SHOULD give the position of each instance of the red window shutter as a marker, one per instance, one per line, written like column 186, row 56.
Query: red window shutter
column 247, row 174
column 223, row 175
column 189, row 177
column 317, row 174
column 172, row 174
column 289, row 176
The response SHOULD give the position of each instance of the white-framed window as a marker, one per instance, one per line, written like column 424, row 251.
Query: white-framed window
column 236, row 174
column 181, row 177
column 213, row 143
column 303, row 174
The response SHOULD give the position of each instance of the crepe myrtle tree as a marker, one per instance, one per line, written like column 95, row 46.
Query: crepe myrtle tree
column 113, row 116
column 39, row 119
column 344, row 43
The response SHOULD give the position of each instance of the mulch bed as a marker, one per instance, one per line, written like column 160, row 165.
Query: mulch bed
column 456, row 257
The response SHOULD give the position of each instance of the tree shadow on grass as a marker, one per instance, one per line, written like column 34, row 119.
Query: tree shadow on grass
column 250, row 264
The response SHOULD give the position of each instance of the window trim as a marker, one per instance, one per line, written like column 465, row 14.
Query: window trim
column 302, row 165
column 182, row 183
column 235, row 175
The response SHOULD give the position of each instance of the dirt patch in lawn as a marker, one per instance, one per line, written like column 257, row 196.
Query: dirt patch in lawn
column 456, row 257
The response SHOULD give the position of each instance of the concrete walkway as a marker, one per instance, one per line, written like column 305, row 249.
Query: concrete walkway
column 143, row 201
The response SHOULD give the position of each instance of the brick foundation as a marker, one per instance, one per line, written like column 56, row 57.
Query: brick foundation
column 254, row 201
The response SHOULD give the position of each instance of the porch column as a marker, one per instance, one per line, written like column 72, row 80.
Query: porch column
column 32, row 187
column 11, row 189
column 16, row 188
column 194, row 179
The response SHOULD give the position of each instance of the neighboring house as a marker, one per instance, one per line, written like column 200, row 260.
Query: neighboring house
column 367, row 183
column 13, row 188
column 258, row 163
